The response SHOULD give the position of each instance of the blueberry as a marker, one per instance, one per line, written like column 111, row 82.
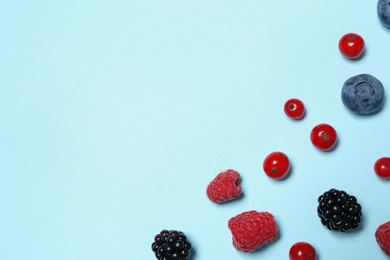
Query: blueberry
column 383, row 9
column 363, row 94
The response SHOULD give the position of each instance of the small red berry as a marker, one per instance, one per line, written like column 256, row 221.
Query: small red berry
column 323, row 136
column 294, row 108
column 351, row 45
column 382, row 167
column 276, row 165
column 302, row 251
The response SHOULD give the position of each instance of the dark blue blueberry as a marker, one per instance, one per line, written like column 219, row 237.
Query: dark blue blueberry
column 383, row 9
column 363, row 94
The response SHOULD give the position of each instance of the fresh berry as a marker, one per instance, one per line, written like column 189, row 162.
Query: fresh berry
column 294, row 108
column 382, row 236
column 362, row 94
column 224, row 187
column 276, row 165
column 351, row 45
column 382, row 167
column 383, row 11
column 302, row 251
column 323, row 136
column 339, row 211
column 252, row 229
column 171, row 245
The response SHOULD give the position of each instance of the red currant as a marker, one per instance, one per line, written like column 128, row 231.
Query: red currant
column 351, row 45
column 276, row 165
column 323, row 137
column 294, row 108
column 382, row 167
column 302, row 251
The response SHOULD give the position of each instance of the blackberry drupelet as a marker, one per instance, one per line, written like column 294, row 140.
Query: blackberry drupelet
column 339, row 211
column 171, row 245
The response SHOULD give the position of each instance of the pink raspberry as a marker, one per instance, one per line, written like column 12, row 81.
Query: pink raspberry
column 224, row 187
column 252, row 229
column 382, row 236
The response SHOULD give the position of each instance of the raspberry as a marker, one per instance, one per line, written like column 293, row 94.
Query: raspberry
column 252, row 229
column 224, row 187
column 382, row 236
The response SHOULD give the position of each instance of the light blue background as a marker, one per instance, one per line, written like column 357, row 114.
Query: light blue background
column 115, row 116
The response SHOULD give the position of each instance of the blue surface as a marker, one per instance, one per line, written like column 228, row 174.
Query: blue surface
column 115, row 116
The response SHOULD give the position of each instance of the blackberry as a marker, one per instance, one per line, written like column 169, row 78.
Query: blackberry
column 171, row 245
column 339, row 211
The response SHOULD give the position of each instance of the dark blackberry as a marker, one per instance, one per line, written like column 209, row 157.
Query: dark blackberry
column 171, row 245
column 339, row 211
